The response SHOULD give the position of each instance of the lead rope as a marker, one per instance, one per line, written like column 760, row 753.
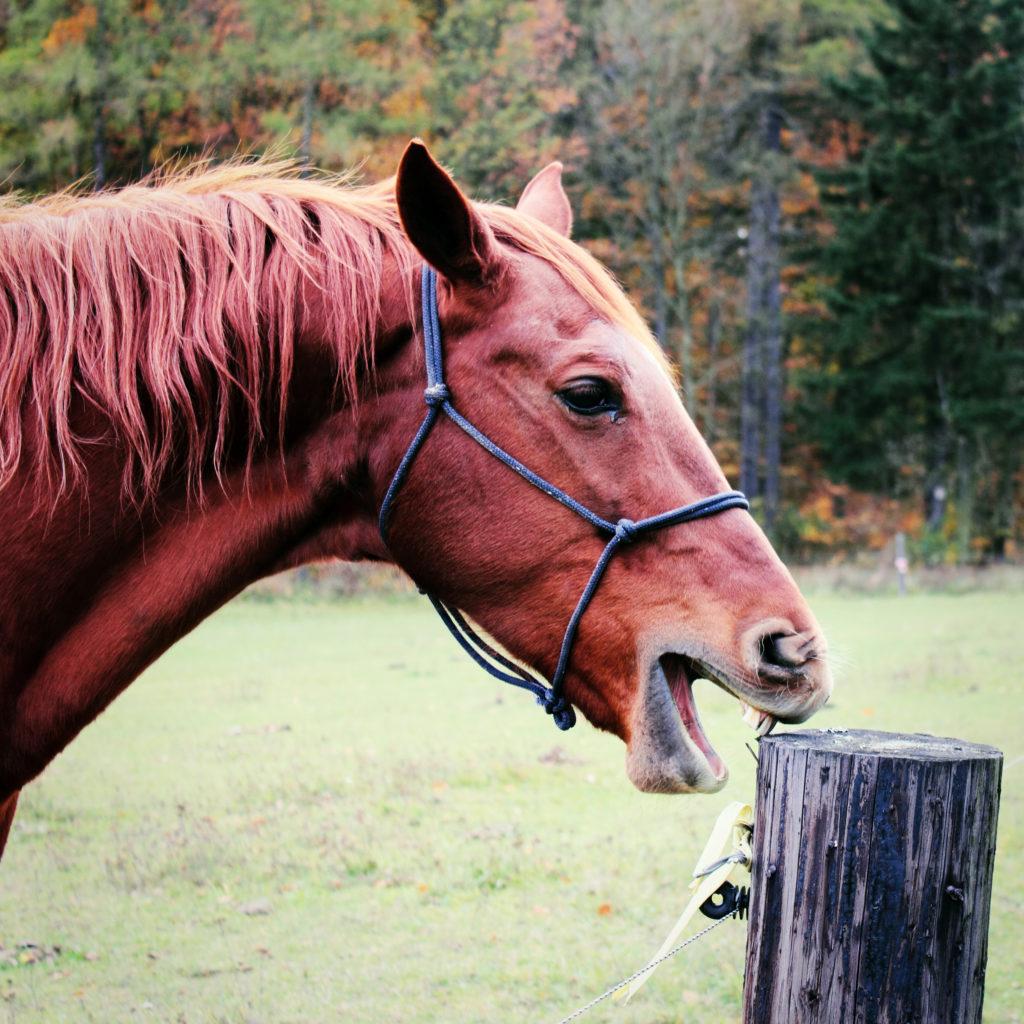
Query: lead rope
column 438, row 399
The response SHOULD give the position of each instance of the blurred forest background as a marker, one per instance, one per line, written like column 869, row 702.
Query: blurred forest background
column 819, row 204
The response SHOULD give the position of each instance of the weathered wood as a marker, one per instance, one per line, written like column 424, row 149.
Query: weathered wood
column 872, row 879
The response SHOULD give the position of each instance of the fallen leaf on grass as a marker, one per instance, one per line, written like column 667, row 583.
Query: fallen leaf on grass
column 25, row 954
column 604, row 909
column 259, row 730
column 559, row 755
column 213, row 972
column 255, row 908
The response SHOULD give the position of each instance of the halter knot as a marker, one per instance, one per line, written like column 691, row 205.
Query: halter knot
column 626, row 529
column 436, row 394
column 560, row 710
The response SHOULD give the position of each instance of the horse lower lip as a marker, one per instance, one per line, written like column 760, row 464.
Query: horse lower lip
column 680, row 684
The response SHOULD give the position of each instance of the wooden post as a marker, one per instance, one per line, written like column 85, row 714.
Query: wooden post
column 872, row 879
column 901, row 563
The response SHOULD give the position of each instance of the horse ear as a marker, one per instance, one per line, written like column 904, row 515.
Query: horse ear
column 545, row 199
column 441, row 222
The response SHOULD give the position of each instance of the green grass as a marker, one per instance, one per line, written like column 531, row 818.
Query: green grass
column 383, row 813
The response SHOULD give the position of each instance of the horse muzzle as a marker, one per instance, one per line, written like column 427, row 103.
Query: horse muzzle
column 668, row 750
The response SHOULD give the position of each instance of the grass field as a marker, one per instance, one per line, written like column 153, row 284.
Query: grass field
column 312, row 812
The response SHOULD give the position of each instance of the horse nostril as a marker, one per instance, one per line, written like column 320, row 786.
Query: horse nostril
column 784, row 650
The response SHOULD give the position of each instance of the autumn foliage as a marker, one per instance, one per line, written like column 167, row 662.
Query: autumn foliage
column 710, row 146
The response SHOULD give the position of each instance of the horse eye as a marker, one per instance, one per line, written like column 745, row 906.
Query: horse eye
column 590, row 396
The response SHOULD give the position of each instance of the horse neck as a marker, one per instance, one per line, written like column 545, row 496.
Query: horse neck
column 95, row 591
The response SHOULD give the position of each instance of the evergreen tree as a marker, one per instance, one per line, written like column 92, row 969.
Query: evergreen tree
column 499, row 89
column 86, row 88
column 334, row 72
column 789, row 43
column 923, row 363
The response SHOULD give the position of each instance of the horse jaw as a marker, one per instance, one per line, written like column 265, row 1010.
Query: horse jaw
column 667, row 750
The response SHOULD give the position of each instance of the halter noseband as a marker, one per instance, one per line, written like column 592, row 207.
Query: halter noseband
column 439, row 399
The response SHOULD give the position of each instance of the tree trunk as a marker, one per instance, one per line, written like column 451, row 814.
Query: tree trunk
column 965, row 477
column 682, row 315
column 1003, row 526
column 761, row 404
column 99, row 148
column 99, row 123
column 936, row 492
column 314, row 68
column 752, row 378
column 306, row 140
column 764, row 224
column 147, row 142
column 656, row 270
column 708, row 426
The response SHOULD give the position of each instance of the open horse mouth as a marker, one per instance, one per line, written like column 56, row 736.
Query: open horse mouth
column 669, row 751
column 680, row 673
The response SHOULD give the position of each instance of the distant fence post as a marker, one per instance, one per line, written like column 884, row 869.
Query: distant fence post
column 900, row 561
column 872, row 879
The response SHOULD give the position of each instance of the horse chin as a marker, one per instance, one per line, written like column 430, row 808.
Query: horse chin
column 668, row 751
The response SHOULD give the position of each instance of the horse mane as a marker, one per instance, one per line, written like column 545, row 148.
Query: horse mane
column 169, row 307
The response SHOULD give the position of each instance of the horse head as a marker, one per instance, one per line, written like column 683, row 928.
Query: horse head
column 224, row 382
column 547, row 358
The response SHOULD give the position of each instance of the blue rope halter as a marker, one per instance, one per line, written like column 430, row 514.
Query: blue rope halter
column 439, row 399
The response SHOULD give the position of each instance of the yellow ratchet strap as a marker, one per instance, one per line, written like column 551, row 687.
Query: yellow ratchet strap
column 728, row 851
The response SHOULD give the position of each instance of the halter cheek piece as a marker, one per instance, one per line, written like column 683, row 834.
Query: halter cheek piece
column 439, row 399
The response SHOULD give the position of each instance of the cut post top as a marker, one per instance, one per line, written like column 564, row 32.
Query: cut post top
column 869, row 743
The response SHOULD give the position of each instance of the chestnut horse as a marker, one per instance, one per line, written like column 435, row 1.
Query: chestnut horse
column 212, row 376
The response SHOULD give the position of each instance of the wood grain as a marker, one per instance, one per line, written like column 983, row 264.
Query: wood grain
column 872, row 879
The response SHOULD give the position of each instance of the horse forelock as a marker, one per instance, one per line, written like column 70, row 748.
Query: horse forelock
column 172, row 305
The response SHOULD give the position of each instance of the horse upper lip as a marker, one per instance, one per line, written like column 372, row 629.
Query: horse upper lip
column 748, row 698
column 721, row 679
column 794, row 695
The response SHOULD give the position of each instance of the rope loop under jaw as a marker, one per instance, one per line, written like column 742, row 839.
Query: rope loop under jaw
column 560, row 710
column 438, row 398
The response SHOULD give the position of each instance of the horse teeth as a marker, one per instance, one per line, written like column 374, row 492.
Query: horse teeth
column 760, row 721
